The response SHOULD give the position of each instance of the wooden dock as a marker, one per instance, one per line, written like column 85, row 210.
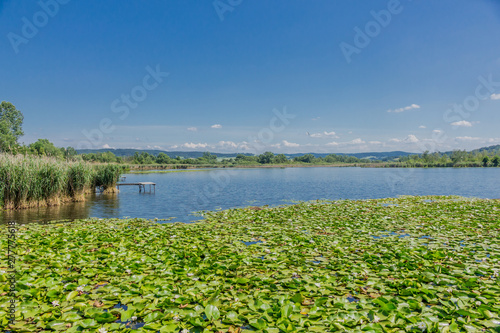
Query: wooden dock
column 142, row 186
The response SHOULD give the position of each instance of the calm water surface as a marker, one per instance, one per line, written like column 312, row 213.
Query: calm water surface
column 179, row 194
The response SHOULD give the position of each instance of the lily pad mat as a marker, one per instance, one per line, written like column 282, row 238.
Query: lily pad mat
column 390, row 265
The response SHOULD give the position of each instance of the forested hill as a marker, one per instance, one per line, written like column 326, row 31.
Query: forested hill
column 495, row 150
column 154, row 152
column 196, row 154
column 380, row 156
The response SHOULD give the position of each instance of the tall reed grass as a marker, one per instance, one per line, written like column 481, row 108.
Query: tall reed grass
column 30, row 181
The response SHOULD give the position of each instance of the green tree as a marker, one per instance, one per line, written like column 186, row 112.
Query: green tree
column 495, row 161
column 486, row 160
column 44, row 147
column 458, row 156
column 266, row 158
column 163, row 158
column 69, row 153
column 209, row 157
column 11, row 123
column 307, row 158
column 280, row 159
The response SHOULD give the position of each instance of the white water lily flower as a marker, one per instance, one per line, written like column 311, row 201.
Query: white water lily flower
column 422, row 326
column 236, row 299
column 450, row 290
column 102, row 330
column 176, row 318
column 177, row 296
column 376, row 319
column 29, row 284
column 267, row 251
column 190, row 274
column 55, row 303
column 133, row 318
column 112, row 253
column 79, row 288
column 318, row 285
column 478, row 303
column 196, row 279
column 128, row 271
column 185, row 331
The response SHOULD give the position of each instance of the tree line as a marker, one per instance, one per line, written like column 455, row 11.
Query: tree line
column 11, row 121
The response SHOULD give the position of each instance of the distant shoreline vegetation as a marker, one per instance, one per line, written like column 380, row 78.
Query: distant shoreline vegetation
column 147, row 161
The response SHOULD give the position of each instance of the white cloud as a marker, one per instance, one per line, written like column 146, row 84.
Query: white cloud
column 495, row 96
column 374, row 142
column 216, row 126
column 325, row 134
column 332, row 143
column 422, row 126
column 406, row 108
column 357, row 141
column 227, row 144
column 192, row 129
column 154, row 147
column 106, row 146
column 462, row 123
column 411, row 138
column 191, row 145
column 437, row 131
column 467, row 138
column 290, row 144
column 317, row 118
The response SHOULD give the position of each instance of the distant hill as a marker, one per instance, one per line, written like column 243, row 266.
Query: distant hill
column 370, row 155
column 381, row 156
column 173, row 154
column 196, row 154
column 491, row 149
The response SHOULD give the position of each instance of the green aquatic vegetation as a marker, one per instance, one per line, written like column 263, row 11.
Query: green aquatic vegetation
column 31, row 181
column 418, row 264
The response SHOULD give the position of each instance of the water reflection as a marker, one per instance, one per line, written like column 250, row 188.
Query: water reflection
column 106, row 204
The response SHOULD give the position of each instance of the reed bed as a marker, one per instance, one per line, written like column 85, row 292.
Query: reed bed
column 30, row 181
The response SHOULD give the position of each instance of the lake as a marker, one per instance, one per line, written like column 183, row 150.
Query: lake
column 178, row 194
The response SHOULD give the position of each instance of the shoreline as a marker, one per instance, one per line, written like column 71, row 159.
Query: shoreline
column 180, row 168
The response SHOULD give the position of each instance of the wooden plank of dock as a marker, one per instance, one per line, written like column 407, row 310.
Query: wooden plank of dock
column 142, row 185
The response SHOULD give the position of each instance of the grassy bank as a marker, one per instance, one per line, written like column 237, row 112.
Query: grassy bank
column 30, row 181
column 409, row 264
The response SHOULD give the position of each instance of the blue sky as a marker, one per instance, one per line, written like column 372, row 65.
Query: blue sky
column 250, row 76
